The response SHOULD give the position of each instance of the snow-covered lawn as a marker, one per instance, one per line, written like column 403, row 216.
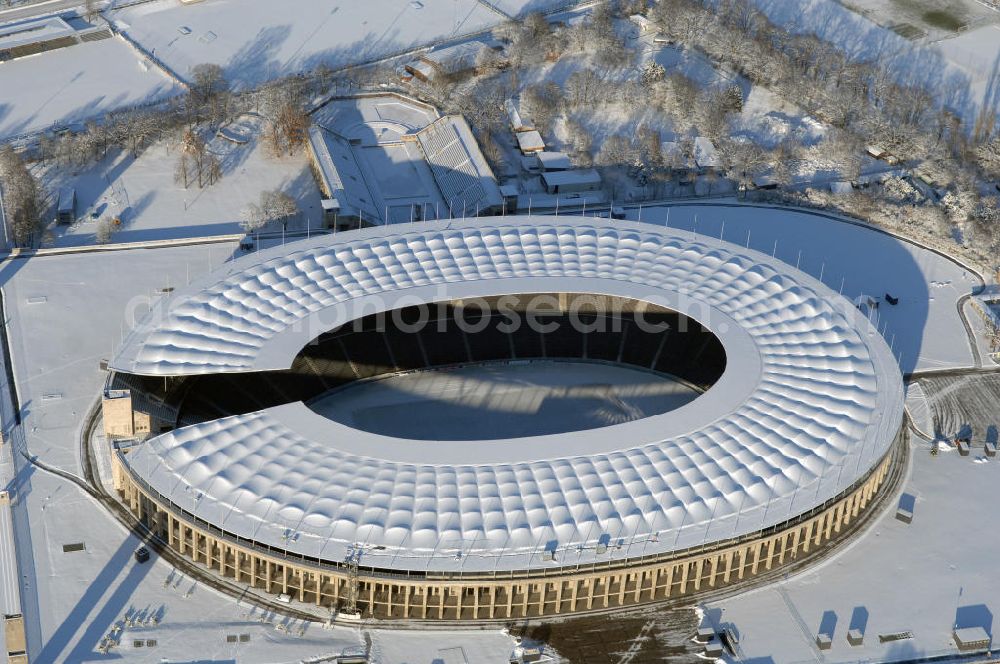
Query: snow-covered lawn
column 925, row 577
column 153, row 207
column 256, row 40
column 75, row 84
column 523, row 7
column 924, row 328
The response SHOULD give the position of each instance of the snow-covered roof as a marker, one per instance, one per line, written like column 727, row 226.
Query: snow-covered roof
column 456, row 57
column 518, row 121
column 810, row 399
column 705, row 153
column 578, row 176
column 554, row 161
column 33, row 31
column 530, row 141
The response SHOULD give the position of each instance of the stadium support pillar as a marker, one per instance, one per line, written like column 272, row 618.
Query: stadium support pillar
column 756, row 557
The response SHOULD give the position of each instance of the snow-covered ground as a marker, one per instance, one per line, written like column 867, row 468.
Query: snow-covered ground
column 153, row 206
column 66, row 313
column 257, row 40
column 943, row 68
column 925, row 329
column 74, row 84
column 926, row 577
column 523, row 7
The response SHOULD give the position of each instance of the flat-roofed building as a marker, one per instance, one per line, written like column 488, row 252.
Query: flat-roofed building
column 554, row 161
column 530, row 142
column 572, row 181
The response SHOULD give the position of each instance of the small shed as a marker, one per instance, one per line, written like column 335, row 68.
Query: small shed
column 449, row 60
column 331, row 209
column 971, row 638
column 509, row 192
column 765, row 181
column 641, row 22
column 554, row 161
column 855, row 637
column 530, row 142
column 66, row 211
column 572, row 181
column 705, row 632
column 963, row 446
column 706, row 156
column 529, row 164
column 876, row 151
column 517, row 120
column 824, row 641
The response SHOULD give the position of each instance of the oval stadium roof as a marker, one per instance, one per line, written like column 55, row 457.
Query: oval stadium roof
column 810, row 400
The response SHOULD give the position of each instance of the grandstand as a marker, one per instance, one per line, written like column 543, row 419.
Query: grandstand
column 460, row 171
column 389, row 159
column 794, row 430
column 19, row 40
column 611, row 330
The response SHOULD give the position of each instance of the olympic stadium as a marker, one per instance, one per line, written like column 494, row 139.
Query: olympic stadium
column 501, row 418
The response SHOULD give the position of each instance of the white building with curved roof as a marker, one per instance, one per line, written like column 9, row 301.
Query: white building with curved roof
column 808, row 406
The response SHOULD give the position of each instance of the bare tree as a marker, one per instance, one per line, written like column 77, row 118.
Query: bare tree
column 615, row 151
column 105, row 229
column 988, row 157
column 652, row 73
column 252, row 217
column 22, row 196
column 543, row 103
column 289, row 129
column 183, row 171
column 743, row 159
column 90, row 10
column 209, row 92
column 278, row 206
column 196, row 162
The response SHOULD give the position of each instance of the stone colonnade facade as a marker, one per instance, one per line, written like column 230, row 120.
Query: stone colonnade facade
column 501, row 595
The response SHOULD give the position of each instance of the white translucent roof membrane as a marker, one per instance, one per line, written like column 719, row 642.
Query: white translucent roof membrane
column 810, row 400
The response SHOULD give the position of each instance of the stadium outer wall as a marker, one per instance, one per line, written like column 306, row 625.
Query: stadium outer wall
column 389, row 595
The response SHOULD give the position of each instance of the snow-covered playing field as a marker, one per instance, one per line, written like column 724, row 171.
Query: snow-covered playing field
column 74, row 84
column 257, row 40
column 943, row 67
column 490, row 402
